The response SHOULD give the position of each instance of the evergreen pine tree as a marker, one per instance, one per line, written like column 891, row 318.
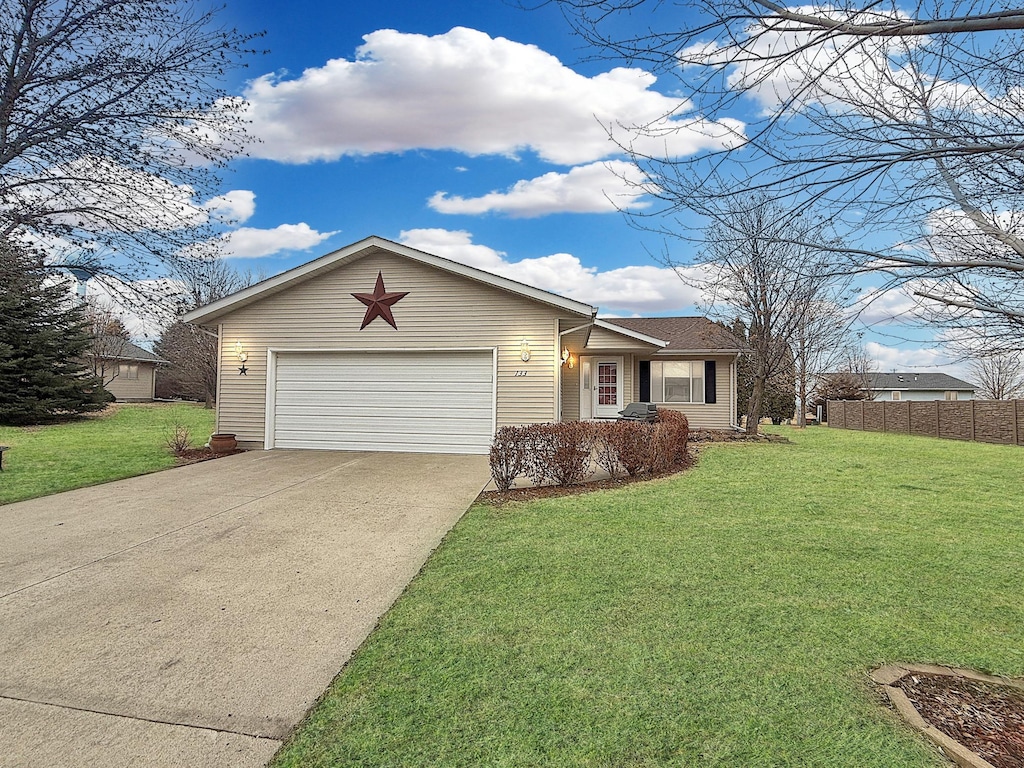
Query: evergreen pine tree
column 43, row 337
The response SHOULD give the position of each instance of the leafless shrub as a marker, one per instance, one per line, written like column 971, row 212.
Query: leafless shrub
column 605, row 453
column 631, row 441
column 180, row 440
column 678, row 433
column 508, row 456
column 559, row 453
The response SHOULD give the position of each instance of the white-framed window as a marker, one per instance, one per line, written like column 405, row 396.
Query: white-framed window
column 677, row 381
column 951, row 395
column 895, row 395
column 128, row 370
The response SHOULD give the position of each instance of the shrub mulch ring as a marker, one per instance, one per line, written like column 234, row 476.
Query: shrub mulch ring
column 195, row 455
column 987, row 718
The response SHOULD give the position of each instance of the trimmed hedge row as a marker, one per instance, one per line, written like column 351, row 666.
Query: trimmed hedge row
column 563, row 453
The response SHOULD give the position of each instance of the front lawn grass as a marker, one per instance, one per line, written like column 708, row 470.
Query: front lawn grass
column 125, row 440
column 724, row 617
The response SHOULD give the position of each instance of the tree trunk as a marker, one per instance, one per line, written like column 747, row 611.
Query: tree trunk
column 756, row 404
column 801, row 416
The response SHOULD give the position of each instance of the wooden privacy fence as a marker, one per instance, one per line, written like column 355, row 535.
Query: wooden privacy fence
column 986, row 421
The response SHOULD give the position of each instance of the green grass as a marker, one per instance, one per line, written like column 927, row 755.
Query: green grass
column 126, row 440
column 725, row 617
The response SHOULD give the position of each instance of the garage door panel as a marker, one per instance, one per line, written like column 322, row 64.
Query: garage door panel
column 404, row 401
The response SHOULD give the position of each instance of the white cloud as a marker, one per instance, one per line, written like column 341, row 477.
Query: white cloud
column 600, row 187
column 468, row 92
column 642, row 289
column 251, row 243
column 91, row 192
column 882, row 306
column 236, row 206
column 910, row 359
column 876, row 77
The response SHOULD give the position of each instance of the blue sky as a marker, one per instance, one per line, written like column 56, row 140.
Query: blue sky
column 474, row 130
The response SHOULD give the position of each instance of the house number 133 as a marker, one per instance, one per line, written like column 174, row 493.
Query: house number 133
column 521, row 373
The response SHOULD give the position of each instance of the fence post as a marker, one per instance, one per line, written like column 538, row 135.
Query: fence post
column 883, row 418
column 972, row 419
column 937, row 416
column 1016, row 437
column 861, row 415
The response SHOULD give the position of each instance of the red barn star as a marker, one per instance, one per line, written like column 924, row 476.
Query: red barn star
column 378, row 303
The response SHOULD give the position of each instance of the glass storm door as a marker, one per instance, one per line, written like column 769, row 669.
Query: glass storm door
column 606, row 388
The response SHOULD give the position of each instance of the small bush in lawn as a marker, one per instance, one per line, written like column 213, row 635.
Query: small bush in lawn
column 180, row 439
column 560, row 453
column 508, row 456
column 679, row 433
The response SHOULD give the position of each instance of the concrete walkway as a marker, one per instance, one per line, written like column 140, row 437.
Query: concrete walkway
column 191, row 617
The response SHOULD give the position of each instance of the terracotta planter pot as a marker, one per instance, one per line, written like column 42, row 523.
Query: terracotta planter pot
column 223, row 442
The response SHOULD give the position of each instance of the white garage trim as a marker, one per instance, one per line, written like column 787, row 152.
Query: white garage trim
column 273, row 361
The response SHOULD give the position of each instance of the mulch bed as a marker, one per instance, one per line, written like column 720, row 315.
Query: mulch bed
column 987, row 718
column 195, row 455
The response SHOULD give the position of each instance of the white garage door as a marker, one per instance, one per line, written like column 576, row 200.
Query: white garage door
column 439, row 402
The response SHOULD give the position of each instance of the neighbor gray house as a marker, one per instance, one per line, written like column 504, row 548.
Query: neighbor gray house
column 379, row 346
column 128, row 371
column 918, row 386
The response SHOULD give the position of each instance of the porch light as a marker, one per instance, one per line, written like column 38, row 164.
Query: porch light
column 524, row 348
column 565, row 355
column 240, row 352
column 571, row 361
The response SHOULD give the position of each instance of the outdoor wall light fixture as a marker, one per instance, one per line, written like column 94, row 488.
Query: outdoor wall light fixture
column 571, row 361
column 242, row 356
column 565, row 355
column 524, row 348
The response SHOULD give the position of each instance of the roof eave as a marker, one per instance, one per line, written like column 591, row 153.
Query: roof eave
column 628, row 332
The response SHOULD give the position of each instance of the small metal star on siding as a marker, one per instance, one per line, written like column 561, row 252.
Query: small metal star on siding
column 378, row 303
column 242, row 370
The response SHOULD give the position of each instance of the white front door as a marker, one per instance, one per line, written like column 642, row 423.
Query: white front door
column 601, row 387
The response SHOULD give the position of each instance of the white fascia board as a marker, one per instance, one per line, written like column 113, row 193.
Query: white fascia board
column 630, row 333
column 705, row 351
column 356, row 250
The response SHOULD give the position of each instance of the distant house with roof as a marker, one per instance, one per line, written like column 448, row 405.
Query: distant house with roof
column 128, row 371
column 918, row 386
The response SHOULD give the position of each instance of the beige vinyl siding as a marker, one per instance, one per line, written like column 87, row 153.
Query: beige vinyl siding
column 134, row 390
column 442, row 310
column 702, row 415
column 602, row 338
column 571, row 376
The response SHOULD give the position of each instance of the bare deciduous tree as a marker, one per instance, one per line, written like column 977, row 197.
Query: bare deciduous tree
column 191, row 350
column 905, row 123
column 113, row 119
column 999, row 377
column 754, row 269
column 108, row 341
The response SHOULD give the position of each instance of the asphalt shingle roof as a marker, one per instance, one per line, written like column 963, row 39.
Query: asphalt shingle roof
column 681, row 333
column 916, row 381
column 128, row 351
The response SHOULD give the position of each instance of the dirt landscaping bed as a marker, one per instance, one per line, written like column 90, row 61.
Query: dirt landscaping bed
column 987, row 718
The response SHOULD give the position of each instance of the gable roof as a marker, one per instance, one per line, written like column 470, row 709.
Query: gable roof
column 917, row 381
column 128, row 351
column 681, row 334
column 365, row 247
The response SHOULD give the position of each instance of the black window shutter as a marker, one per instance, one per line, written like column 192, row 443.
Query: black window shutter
column 710, row 382
column 645, row 381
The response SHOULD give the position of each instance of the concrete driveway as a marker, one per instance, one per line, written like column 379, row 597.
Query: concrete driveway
column 191, row 617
